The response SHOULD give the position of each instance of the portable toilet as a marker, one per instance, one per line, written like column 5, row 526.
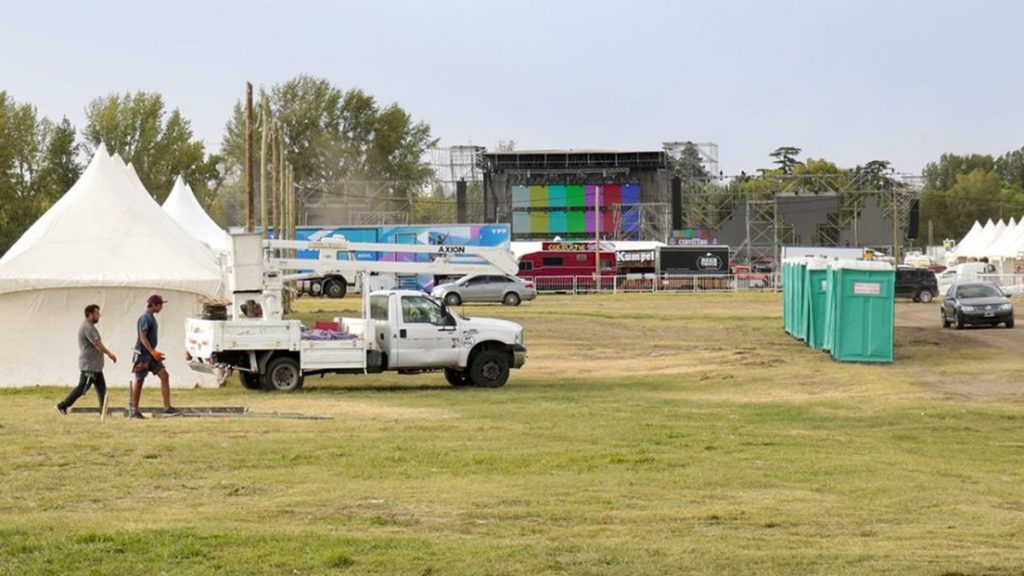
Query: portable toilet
column 787, row 295
column 799, row 288
column 861, row 310
column 814, row 304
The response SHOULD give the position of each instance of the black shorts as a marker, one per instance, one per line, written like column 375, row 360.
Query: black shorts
column 144, row 365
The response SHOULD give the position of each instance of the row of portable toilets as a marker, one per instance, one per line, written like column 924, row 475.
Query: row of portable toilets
column 844, row 307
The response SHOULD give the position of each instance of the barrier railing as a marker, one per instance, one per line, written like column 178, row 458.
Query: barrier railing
column 1009, row 283
column 633, row 283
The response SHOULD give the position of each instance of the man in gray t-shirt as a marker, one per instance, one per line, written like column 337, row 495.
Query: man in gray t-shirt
column 90, row 360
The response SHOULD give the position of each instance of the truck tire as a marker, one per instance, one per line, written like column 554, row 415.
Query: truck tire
column 249, row 380
column 334, row 288
column 452, row 299
column 489, row 369
column 282, row 375
column 457, row 378
column 511, row 299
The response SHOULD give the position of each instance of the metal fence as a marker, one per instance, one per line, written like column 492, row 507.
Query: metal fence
column 651, row 283
column 1008, row 283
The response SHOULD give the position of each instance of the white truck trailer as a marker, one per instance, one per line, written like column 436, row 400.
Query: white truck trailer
column 400, row 330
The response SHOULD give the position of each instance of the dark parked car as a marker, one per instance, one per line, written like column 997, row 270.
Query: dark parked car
column 917, row 283
column 976, row 303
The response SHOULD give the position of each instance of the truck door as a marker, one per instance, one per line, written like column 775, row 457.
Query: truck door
column 424, row 336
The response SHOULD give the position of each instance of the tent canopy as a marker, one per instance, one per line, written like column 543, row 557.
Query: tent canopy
column 182, row 206
column 106, row 231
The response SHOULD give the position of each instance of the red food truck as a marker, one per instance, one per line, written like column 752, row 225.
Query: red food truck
column 566, row 265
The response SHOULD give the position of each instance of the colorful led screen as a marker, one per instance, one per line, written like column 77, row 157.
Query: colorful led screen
column 569, row 210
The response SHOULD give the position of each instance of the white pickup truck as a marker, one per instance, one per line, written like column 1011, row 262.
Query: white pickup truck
column 407, row 331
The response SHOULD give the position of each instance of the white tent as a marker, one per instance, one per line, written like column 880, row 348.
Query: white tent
column 967, row 240
column 182, row 206
column 105, row 242
column 979, row 243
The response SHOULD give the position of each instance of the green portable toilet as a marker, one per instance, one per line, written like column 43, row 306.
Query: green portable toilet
column 799, row 289
column 791, row 295
column 860, row 311
column 786, row 288
column 815, row 297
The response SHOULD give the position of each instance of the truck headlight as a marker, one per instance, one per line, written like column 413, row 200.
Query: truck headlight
column 519, row 337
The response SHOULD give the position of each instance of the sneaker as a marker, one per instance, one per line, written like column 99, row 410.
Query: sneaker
column 172, row 411
column 62, row 410
column 136, row 415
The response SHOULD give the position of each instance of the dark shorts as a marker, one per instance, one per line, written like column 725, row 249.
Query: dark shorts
column 144, row 365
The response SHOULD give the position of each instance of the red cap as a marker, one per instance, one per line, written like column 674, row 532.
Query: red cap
column 155, row 299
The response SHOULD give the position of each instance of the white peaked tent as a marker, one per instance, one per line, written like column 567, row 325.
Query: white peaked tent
column 105, row 242
column 979, row 243
column 968, row 239
column 182, row 206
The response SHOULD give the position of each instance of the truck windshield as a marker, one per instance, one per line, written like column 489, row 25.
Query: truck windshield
column 421, row 310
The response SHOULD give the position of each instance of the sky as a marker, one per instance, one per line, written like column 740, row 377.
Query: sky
column 853, row 81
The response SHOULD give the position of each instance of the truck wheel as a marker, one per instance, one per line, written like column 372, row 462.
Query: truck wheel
column 283, row 375
column 452, row 299
column 511, row 299
column 249, row 380
column 456, row 378
column 924, row 296
column 489, row 369
column 335, row 288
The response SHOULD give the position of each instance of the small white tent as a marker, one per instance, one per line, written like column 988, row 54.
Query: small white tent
column 968, row 239
column 104, row 242
column 182, row 206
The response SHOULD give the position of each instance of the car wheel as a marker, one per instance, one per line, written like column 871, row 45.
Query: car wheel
column 452, row 299
column 335, row 289
column 489, row 369
column 249, row 380
column 457, row 378
column 958, row 321
column 511, row 299
column 924, row 296
column 945, row 321
column 283, row 375
column 1009, row 323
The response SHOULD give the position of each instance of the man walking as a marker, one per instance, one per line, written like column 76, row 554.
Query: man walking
column 149, row 360
column 90, row 360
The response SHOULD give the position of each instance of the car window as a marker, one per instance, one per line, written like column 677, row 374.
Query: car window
column 379, row 307
column 421, row 310
column 978, row 291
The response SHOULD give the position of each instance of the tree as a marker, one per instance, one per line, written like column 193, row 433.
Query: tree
column 785, row 158
column 331, row 136
column 38, row 164
column 689, row 164
column 159, row 146
column 961, row 189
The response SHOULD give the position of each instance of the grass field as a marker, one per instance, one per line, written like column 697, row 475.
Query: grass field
column 647, row 434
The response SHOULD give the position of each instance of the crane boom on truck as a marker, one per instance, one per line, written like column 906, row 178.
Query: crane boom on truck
column 402, row 330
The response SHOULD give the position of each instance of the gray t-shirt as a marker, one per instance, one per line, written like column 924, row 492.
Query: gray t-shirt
column 147, row 323
column 90, row 359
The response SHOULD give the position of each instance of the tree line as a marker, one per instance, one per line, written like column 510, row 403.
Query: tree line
column 329, row 136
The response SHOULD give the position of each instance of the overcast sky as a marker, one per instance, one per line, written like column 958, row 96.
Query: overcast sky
column 848, row 81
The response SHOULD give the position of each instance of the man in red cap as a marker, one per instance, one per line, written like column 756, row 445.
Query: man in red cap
column 149, row 360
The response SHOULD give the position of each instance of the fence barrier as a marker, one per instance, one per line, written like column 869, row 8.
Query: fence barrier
column 633, row 283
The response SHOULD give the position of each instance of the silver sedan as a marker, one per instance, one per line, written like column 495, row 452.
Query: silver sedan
column 509, row 290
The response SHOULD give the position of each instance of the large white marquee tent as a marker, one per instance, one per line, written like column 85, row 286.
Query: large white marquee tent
column 105, row 242
column 1001, row 243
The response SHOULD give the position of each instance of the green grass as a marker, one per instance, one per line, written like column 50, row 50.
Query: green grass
column 647, row 434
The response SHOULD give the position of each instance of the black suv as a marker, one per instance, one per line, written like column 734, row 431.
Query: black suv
column 917, row 283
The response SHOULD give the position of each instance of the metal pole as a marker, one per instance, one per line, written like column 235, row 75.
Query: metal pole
column 597, row 238
column 265, row 118
column 250, row 193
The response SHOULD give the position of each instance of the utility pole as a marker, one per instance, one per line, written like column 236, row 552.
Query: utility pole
column 250, row 212
column 275, row 177
column 265, row 129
